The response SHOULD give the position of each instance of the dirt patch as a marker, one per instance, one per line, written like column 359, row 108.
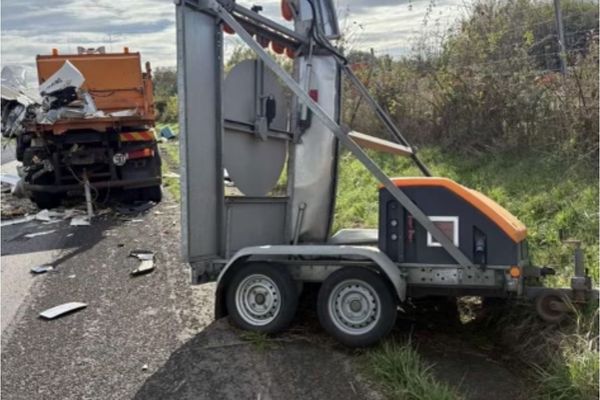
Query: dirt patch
column 219, row 364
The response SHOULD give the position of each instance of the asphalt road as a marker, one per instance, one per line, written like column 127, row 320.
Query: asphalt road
column 18, row 259
column 146, row 337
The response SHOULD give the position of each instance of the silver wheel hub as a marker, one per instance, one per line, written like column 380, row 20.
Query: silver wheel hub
column 354, row 306
column 258, row 299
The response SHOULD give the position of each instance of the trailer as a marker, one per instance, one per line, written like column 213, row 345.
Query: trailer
column 435, row 237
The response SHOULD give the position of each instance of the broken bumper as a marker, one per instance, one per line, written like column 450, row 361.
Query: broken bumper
column 125, row 184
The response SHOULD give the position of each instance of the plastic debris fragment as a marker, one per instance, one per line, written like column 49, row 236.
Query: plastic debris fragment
column 62, row 309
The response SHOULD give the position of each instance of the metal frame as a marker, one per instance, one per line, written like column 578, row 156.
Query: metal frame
column 340, row 133
column 205, row 192
column 370, row 254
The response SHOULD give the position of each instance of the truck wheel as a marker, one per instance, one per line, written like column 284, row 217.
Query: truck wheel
column 356, row 306
column 46, row 200
column 262, row 298
column 152, row 193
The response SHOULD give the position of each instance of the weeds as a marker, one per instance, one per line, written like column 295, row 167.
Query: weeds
column 259, row 340
column 170, row 166
column 402, row 373
column 572, row 372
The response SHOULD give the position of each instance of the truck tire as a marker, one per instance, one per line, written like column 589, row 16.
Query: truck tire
column 46, row 200
column 356, row 306
column 261, row 298
column 152, row 193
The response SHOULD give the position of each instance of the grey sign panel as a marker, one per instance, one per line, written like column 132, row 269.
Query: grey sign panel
column 199, row 80
column 254, row 162
column 241, row 91
column 255, row 221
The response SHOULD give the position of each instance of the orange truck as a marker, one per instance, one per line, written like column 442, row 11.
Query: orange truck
column 114, row 148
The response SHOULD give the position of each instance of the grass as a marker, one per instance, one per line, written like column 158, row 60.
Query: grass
column 563, row 358
column 402, row 374
column 572, row 372
column 259, row 340
column 170, row 168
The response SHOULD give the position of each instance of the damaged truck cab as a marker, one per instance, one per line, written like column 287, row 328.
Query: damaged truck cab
column 100, row 131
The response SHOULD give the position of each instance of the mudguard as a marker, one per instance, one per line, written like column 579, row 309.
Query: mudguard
column 386, row 265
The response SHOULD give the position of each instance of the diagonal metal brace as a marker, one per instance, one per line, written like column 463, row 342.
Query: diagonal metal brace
column 342, row 135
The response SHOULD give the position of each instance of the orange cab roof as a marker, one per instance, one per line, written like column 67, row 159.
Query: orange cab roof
column 494, row 211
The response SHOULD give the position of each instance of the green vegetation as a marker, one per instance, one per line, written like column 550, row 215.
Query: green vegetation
column 403, row 375
column 169, row 151
column 572, row 373
column 492, row 83
column 165, row 95
column 259, row 340
column 563, row 359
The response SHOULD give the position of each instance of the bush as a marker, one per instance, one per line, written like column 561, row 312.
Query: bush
column 494, row 85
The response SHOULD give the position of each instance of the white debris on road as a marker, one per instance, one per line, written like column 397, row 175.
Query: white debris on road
column 62, row 309
column 36, row 234
column 17, row 221
column 80, row 221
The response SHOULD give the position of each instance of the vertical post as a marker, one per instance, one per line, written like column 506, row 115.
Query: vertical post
column 561, row 37
column 199, row 70
column 88, row 196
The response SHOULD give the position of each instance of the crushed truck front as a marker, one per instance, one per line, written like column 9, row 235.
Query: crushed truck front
column 109, row 140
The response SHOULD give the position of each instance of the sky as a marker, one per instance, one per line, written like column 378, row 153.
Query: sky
column 31, row 27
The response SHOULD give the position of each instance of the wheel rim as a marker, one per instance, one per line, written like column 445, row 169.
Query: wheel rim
column 354, row 306
column 258, row 299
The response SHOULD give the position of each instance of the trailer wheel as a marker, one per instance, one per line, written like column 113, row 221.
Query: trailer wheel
column 356, row 306
column 552, row 306
column 262, row 298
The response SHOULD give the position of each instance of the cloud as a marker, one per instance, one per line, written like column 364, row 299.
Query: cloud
column 31, row 27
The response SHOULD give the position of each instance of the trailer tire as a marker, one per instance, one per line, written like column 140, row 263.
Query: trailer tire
column 261, row 298
column 356, row 306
